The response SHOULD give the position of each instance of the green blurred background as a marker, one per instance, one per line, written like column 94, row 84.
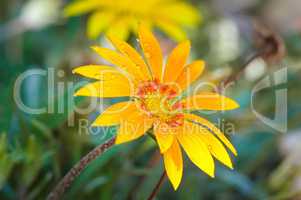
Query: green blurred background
column 36, row 150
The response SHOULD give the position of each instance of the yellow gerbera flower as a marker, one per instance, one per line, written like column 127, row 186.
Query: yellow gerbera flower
column 153, row 103
column 120, row 17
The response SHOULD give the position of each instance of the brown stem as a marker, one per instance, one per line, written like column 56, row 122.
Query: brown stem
column 75, row 171
column 157, row 187
column 238, row 73
column 270, row 47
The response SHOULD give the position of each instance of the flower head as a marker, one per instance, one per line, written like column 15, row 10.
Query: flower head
column 120, row 17
column 154, row 104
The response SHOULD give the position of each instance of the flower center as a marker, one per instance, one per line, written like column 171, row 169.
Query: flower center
column 157, row 100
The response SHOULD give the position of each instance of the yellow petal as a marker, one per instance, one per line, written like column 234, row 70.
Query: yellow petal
column 196, row 149
column 173, row 162
column 171, row 29
column 152, row 51
column 116, row 113
column 211, row 127
column 215, row 147
column 120, row 28
column 81, row 7
column 176, row 61
column 119, row 60
column 133, row 127
column 209, row 101
column 164, row 136
column 98, row 22
column 190, row 15
column 99, row 72
column 190, row 73
column 132, row 54
column 118, row 87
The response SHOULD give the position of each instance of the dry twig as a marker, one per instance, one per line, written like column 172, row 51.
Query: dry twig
column 75, row 171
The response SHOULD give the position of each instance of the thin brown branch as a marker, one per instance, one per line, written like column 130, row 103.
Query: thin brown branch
column 75, row 171
column 157, row 187
column 270, row 47
column 237, row 74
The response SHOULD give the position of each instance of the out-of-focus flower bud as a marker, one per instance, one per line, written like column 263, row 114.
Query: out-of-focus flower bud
column 269, row 44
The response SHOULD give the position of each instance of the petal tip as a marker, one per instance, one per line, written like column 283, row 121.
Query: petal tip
column 94, row 124
column 230, row 166
column 75, row 71
column 175, row 186
column 233, row 150
column 95, row 48
column 210, row 173
column 235, row 104
column 118, row 141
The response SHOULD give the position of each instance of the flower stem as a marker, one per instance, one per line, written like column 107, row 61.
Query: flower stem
column 75, row 171
column 238, row 73
column 270, row 47
column 157, row 187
